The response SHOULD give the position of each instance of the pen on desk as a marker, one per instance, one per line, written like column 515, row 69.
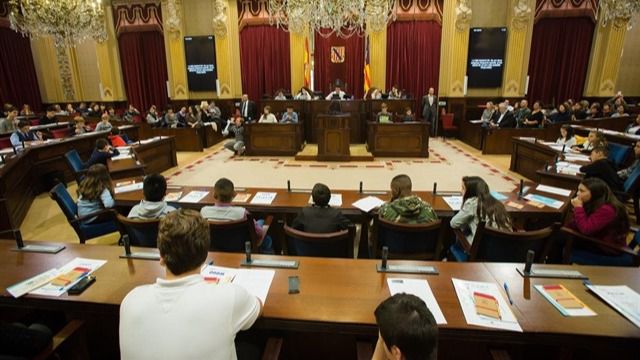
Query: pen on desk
column 506, row 289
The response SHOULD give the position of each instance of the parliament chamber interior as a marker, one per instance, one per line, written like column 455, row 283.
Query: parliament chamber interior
column 335, row 179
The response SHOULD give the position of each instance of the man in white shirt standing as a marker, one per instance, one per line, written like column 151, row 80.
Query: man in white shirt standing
column 182, row 316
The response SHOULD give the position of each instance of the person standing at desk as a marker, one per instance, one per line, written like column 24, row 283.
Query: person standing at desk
column 267, row 116
column 24, row 135
column 336, row 94
column 247, row 108
column 430, row 108
column 181, row 316
column 290, row 116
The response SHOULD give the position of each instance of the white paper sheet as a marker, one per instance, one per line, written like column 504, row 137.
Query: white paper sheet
column 421, row 289
column 128, row 188
column 53, row 290
column 263, row 198
column 465, row 290
column 121, row 157
column 335, row 201
column 576, row 157
column 454, row 202
column 256, row 281
column 369, row 203
column 556, row 204
column 622, row 298
column 194, row 196
column 32, row 283
column 553, row 190
column 585, row 311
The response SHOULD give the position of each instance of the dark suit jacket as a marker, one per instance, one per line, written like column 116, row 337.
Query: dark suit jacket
column 429, row 111
column 251, row 111
column 320, row 220
column 508, row 120
column 604, row 170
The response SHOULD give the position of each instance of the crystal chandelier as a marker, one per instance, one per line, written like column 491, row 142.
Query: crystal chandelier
column 619, row 12
column 326, row 17
column 69, row 22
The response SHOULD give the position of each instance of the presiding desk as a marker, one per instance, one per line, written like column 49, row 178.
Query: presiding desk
column 399, row 139
column 338, row 298
column 273, row 139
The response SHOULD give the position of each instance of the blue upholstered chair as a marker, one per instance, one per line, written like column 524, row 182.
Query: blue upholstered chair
column 142, row 232
column 618, row 153
column 493, row 245
column 337, row 244
column 104, row 224
column 407, row 241
column 76, row 164
column 632, row 190
column 585, row 250
column 230, row 236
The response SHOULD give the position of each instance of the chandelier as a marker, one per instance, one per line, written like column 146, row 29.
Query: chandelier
column 69, row 22
column 619, row 11
column 327, row 17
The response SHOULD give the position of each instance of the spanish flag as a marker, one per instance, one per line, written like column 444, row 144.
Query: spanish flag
column 307, row 64
column 367, row 69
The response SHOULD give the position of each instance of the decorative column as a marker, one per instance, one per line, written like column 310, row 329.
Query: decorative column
column 520, row 21
column 296, row 53
column 47, row 71
column 174, row 47
column 606, row 55
column 111, row 84
column 228, row 51
column 454, row 48
column 378, row 58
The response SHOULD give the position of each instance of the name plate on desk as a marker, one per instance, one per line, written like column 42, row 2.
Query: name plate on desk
column 285, row 264
column 551, row 273
column 408, row 269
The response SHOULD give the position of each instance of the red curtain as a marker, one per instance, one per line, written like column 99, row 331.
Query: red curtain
column 413, row 57
column 351, row 71
column 559, row 58
column 18, row 80
column 264, row 60
column 144, row 68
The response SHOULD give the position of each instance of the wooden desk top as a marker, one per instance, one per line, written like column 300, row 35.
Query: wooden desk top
column 342, row 292
column 290, row 201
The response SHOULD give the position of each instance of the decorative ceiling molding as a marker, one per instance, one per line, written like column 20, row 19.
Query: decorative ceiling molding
column 422, row 10
column 253, row 13
column 137, row 17
column 566, row 8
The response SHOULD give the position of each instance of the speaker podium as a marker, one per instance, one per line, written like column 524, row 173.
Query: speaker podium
column 333, row 137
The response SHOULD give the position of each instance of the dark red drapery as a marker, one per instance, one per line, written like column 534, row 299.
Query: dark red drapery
column 144, row 68
column 413, row 57
column 559, row 58
column 264, row 60
column 18, row 80
column 351, row 71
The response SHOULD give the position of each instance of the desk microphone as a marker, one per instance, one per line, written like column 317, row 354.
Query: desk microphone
column 385, row 255
column 127, row 244
column 288, row 185
column 360, row 187
column 18, row 236
column 529, row 263
column 546, row 166
column 563, row 147
column 435, row 188
column 247, row 251
column 520, row 191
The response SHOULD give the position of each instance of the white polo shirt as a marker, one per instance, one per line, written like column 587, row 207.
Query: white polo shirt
column 186, row 318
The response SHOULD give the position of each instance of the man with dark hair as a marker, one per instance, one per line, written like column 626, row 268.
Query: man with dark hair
column 224, row 210
column 406, row 329
column 23, row 134
column 405, row 207
column 101, row 153
column 182, row 316
column 601, row 167
column 49, row 117
column 153, row 205
column 320, row 217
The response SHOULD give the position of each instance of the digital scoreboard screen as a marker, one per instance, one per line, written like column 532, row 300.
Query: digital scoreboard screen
column 200, row 53
column 486, row 57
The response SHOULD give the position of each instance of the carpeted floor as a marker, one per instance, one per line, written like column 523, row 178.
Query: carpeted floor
column 446, row 165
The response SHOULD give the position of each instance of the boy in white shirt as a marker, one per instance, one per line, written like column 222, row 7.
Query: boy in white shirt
column 182, row 316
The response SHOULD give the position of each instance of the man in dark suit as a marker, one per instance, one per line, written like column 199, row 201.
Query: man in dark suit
column 430, row 108
column 247, row 108
column 320, row 217
column 503, row 118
